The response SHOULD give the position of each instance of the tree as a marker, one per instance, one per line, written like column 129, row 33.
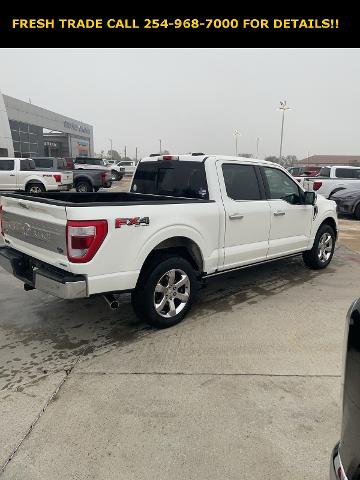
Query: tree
column 287, row 161
column 114, row 154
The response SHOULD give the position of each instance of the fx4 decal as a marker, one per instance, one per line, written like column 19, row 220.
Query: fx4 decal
column 137, row 221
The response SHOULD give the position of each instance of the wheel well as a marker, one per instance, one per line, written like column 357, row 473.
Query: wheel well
column 181, row 246
column 81, row 179
column 331, row 222
column 34, row 182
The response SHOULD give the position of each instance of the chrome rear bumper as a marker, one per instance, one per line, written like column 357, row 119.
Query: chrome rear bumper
column 50, row 280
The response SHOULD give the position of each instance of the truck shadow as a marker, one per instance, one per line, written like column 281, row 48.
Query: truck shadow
column 41, row 335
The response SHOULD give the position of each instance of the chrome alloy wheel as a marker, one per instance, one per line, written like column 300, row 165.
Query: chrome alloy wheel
column 172, row 293
column 325, row 247
column 35, row 189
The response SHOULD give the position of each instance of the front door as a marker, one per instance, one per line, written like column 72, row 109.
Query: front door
column 290, row 218
column 247, row 214
column 7, row 174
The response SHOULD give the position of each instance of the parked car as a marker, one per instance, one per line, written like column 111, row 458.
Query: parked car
column 348, row 202
column 129, row 166
column 307, row 171
column 332, row 179
column 345, row 458
column 84, row 180
column 84, row 163
column 185, row 219
column 21, row 174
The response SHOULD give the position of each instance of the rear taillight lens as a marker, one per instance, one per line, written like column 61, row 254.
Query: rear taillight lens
column 103, row 177
column 316, row 186
column 57, row 177
column 1, row 223
column 84, row 238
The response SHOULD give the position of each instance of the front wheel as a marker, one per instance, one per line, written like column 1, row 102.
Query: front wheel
column 165, row 292
column 115, row 176
column 323, row 249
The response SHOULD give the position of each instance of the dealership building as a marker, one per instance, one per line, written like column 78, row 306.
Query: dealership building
column 27, row 130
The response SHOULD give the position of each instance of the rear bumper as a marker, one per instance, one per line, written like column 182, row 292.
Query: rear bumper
column 337, row 471
column 43, row 277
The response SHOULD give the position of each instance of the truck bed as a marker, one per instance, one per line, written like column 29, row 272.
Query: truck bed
column 102, row 199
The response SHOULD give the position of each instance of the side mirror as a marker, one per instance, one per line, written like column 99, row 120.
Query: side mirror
column 309, row 198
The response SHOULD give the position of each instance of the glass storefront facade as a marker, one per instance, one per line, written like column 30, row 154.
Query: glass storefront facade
column 27, row 139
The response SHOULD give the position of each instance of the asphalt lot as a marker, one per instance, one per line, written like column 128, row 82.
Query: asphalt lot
column 247, row 387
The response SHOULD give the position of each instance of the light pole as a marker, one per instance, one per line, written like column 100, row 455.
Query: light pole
column 111, row 148
column 284, row 108
column 257, row 147
column 236, row 135
column 160, row 145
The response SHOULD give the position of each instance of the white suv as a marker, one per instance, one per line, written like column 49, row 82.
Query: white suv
column 117, row 172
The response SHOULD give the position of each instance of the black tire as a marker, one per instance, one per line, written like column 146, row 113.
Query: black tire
column 115, row 176
column 144, row 296
column 317, row 258
column 83, row 186
column 35, row 187
column 357, row 212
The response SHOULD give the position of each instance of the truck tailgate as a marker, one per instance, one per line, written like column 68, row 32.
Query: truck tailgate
column 37, row 229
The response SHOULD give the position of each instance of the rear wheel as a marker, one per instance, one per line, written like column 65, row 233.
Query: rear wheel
column 83, row 186
column 35, row 188
column 323, row 249
column 165, row 292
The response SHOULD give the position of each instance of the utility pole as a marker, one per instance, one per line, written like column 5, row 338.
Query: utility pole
column 160, row 145
column 111, row 148
column 236, row 135
column 125, row 152
column 136, row 154
column 284, row 108
column 257, row 147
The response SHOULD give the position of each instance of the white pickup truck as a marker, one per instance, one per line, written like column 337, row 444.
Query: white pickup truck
column 21, row 174
column 332, row 179
column 185, row 218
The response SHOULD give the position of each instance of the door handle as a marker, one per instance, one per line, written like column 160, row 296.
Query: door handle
column 236, row 216
column 279, row 213
column 12, row 174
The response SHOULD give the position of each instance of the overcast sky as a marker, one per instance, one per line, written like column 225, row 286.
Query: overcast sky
column 195, row 99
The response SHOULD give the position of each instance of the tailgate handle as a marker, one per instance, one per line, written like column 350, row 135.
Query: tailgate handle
column 24, row 205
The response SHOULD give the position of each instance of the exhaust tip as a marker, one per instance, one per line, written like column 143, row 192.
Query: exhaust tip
column 112, row 302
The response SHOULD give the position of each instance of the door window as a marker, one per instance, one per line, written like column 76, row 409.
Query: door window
column 241, row 182
column 281, row 186
column 6, row 165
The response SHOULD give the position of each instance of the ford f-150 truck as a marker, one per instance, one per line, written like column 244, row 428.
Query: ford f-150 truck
column 84, row 180
column 21, row 174
column 185, row 218
column 333, row 179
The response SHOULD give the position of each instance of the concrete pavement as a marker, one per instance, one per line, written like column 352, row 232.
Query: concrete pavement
column 247, row 387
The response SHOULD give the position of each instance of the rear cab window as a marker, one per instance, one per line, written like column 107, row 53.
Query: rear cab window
column 172, row 178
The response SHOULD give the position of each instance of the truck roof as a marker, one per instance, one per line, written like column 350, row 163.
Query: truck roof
column 202, row 158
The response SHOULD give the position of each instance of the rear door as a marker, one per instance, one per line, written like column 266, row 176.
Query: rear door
column 7, row 174
column 247, row 214
column 290, row 218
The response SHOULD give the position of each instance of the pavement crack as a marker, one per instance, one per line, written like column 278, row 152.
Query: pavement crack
column 210, row 374
column 67, row 371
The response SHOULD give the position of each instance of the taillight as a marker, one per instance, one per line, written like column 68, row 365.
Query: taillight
column 103, row 177
column 1, row 223
column 169, row 157
column 84, row 238
column 57, row 177
column 316, row 186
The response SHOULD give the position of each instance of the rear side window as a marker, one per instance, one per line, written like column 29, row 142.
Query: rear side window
column 347, row 172
column 173, row 178
column 27, row 164
column 43, row 162
column 241, row 182
column 325, row 172
column 6, row 165
column 61, row 164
